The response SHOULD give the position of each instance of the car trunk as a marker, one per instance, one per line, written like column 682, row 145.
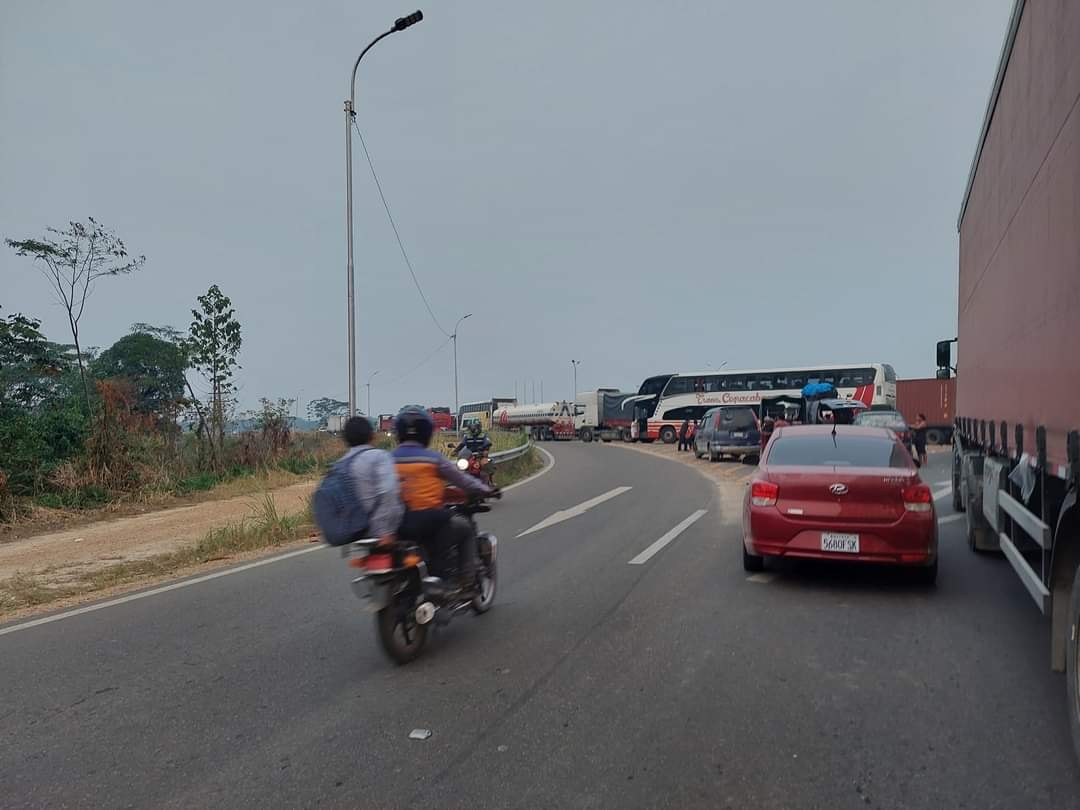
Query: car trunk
column 872, row 495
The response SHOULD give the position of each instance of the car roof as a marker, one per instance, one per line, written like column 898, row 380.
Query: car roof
column 841, row 430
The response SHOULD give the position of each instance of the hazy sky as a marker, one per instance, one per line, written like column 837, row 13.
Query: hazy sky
column 645, row 187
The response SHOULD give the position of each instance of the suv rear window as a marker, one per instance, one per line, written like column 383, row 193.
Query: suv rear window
column 826, row 450
column 737, row 419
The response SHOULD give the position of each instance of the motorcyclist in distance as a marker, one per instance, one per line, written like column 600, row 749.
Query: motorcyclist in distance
column 475, row 440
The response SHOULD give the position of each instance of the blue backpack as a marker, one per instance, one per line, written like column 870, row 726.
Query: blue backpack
column 338, row 511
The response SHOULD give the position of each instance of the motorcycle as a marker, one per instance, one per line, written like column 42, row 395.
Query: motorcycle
column 478, row 465
column 406, row 600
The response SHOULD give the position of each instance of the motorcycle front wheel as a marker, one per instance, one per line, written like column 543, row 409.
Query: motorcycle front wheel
column 401, row 637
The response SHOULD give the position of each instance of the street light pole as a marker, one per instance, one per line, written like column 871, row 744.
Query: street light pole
column 369, row 379
column 400, row 24
column 453, row 337
column 575, row 364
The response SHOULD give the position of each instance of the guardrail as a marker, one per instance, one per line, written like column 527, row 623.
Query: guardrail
column 509, row 455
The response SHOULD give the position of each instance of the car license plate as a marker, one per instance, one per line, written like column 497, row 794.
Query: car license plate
column 846, row 543
column 738, row 435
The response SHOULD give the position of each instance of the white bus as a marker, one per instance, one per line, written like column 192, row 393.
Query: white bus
column 663, row 404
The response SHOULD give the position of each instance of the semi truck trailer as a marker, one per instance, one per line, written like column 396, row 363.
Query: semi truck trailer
column 1016, row 447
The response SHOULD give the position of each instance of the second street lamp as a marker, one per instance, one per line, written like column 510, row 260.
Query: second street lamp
column 400, row 24
column 369, row 379
column 453, row 337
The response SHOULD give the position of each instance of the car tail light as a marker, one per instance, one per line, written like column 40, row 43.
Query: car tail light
column 764, row 493
column 917, row 498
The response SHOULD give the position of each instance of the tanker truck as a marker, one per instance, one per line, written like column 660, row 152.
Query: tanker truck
column 545, row 421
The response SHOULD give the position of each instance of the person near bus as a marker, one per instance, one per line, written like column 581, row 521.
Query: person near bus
column 918, row 438
column 682, row 434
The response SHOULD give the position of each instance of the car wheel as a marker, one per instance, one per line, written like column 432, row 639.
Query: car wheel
column 927, row 575
column 752, row 562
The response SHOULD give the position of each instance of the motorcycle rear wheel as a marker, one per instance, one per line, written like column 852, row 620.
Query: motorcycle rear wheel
column 402, row 638
column 487, row 579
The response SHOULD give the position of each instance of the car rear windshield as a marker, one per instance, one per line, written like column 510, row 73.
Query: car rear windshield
column 737, row 419
column 885, row 420
column 827, row 450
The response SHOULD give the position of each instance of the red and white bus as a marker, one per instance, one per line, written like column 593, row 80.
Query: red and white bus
column 664, row 401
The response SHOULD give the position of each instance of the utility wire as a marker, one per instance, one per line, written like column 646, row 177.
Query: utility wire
column 437, row 349
column 397, row 235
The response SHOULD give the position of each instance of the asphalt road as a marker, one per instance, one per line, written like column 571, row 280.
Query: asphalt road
column 675, row 682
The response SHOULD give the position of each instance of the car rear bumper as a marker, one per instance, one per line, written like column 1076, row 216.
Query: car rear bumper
column 738, row 449
column 874, row 547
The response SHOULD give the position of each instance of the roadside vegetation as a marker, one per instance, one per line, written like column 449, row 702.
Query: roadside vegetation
column 151, row 417
column 266, row 528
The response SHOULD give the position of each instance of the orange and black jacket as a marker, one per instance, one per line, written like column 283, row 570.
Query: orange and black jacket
column 424, row 474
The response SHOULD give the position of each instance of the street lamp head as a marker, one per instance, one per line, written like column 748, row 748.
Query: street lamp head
column 463, row 317
column 401, row 23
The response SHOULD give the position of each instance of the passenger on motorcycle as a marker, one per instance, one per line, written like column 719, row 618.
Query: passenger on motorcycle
column 475, row 440
column 424, row 474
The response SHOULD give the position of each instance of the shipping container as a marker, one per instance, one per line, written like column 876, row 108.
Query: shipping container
column 1016, row 449
column 933, row 397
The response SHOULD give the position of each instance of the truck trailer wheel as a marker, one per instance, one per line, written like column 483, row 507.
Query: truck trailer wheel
column 1072, row 663
column 935, row 436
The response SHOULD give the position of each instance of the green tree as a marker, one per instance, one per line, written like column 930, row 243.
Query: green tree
column 72, row 260
column 154, row 367
column 213, row 345
column 32, row 368
column 320, row 409
column 41, row 423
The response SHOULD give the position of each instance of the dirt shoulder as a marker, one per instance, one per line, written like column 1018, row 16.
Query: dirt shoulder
column 124, row 539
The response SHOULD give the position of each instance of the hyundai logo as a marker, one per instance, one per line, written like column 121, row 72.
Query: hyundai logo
column 838, row 489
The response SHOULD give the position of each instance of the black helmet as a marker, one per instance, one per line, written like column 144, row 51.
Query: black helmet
column 475, row 429
column 413, row 424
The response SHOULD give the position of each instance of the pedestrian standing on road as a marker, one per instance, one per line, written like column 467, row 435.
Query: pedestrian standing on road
column 918, row 438
column 682, row 434
column 691, row 433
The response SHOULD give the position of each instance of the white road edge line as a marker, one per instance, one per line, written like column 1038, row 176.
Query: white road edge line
column 950, row 519
column 155, row 591
column 657, row 545
column 575, row 511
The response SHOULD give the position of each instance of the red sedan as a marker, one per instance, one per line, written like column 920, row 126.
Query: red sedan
column 849, row 494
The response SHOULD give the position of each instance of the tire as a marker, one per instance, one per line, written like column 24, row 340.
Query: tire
column 752, row 562
column 586, row 435
column 668, row 435
column 935, row 436
column 976, row 534
column 712, row 456
column 1072, row 664
column 489, row 580
column 697, row 453
column 927, row 575
column 393, row 643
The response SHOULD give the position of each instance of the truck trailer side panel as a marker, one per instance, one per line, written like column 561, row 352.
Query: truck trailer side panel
column 1019, row 294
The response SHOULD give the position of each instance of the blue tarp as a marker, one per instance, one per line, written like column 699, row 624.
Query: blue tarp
column 818, row 390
